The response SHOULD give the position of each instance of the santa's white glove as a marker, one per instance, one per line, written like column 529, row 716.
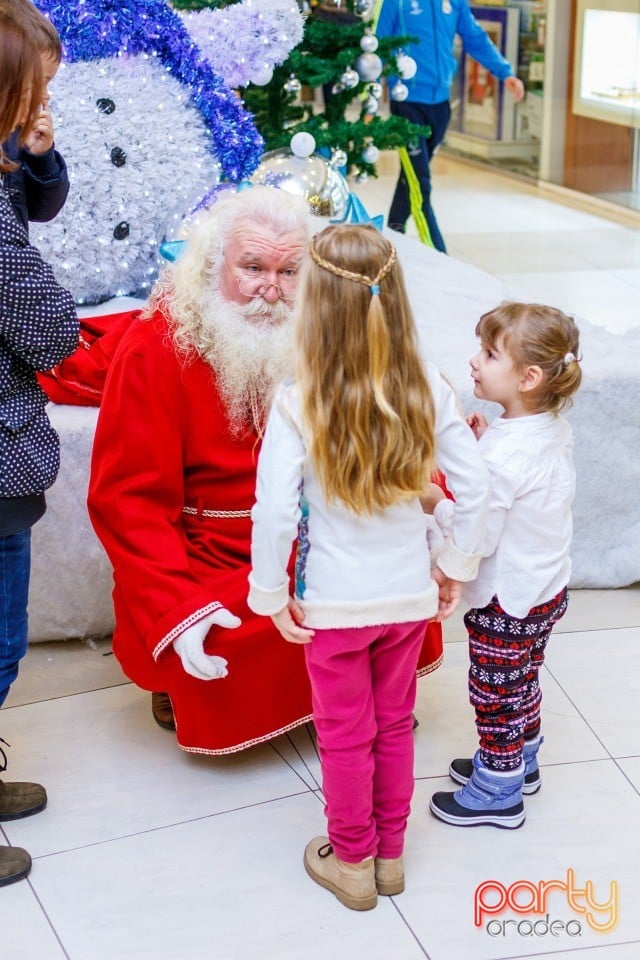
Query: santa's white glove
column 439, row 528
column 190, row 646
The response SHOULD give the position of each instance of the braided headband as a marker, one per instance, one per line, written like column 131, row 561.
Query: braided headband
column 373, row 284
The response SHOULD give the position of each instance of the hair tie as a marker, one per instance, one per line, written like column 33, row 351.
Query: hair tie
column 375, row 289
column 569, row 358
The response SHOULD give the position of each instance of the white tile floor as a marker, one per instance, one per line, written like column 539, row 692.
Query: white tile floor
column 146, row 853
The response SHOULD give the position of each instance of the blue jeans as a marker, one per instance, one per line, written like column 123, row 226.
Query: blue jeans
column 436, row 116
column 15, row 566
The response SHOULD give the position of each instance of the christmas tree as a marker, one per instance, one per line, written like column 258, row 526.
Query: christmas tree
column 340, row 54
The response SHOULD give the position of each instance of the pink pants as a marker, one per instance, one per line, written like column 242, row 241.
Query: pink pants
column 363, row 683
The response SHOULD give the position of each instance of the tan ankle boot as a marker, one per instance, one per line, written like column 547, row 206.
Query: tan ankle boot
column 389, row 876
column 354, row 884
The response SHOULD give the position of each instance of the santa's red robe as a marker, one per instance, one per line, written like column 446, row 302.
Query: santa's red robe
column 170, row 497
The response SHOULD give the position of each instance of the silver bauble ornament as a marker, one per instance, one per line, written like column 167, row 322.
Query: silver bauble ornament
column 338, row 158
column 375, row 89
column 292, row 85
column 350, row 79
column 371, row 153
column 371, row 106
column 262, row 75
column 362, row 177
column 302, row 144
column 407, row 66
column 369, row 66
column 314, row 178
column 399, row 92
column 362, row 7
column 369, row 43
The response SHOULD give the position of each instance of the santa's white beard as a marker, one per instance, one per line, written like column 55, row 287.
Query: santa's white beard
column 250, row 348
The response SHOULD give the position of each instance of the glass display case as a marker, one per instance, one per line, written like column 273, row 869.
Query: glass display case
column 607, row 61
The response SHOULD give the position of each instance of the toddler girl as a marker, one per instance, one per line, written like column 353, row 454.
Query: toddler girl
column 528, row 363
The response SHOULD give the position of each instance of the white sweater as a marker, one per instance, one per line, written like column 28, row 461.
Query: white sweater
column 354, row 570
column 526, row 550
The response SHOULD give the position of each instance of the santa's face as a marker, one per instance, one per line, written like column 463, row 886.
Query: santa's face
column 261, row 268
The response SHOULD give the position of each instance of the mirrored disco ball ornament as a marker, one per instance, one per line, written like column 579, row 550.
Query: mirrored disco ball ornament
column 313, row 178
column 370, row 106
column 350, row 79
column 292, row 85
column 369, row 66
column 399, row 92
column 338, row 158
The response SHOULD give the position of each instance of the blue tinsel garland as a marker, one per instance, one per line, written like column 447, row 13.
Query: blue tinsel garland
column 95, row 29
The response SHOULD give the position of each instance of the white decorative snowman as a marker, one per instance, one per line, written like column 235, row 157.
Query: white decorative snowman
column 148, row 128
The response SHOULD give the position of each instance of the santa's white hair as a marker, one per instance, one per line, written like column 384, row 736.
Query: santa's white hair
column 250, row 346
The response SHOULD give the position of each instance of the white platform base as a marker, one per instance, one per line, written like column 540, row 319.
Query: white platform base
column 71, row 578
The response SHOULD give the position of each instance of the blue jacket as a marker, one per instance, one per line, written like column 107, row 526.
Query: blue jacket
column 38, row 188
column 38, row 328
column 436, row 30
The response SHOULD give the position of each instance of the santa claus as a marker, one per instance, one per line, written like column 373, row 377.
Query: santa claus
column 173, row 478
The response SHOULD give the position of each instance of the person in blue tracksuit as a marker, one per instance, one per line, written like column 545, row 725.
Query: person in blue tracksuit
column 435, row 23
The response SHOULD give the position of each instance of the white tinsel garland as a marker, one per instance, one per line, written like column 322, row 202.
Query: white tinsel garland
column 244, row 40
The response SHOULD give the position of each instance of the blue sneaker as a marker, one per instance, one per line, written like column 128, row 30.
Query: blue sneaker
column 461, row 769
column 489, row 797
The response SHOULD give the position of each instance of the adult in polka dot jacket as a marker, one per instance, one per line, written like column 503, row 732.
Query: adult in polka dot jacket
column 38, row 328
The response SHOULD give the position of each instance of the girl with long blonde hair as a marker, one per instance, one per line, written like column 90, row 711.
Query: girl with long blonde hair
column 349, row 447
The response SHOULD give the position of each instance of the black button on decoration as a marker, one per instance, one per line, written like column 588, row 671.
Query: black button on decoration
column 118, row 157
column 122, row 230
column 105, row 105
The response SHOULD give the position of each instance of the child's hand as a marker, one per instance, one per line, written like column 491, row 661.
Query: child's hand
column 287, row 620
column 41, row 137
column 449, row 593
column 432, row 496
column 478, row 423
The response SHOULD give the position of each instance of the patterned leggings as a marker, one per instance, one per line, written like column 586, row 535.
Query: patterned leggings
column 506, row 654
